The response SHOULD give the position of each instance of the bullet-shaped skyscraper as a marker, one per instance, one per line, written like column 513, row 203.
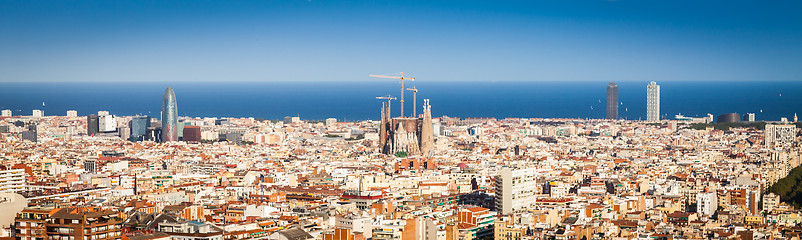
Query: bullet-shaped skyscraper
column 652, row 102
column 612, row 101
column 169, row 116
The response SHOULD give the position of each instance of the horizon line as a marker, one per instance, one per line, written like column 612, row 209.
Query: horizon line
column 372, row 81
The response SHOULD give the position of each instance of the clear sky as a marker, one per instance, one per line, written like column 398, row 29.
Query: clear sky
column 272, row 40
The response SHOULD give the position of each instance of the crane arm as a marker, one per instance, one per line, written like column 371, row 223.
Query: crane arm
column 383, row 76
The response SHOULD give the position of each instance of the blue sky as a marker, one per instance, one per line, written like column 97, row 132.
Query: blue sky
column 623, row 40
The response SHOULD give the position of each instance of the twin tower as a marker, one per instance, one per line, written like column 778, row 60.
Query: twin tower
column 406, row 135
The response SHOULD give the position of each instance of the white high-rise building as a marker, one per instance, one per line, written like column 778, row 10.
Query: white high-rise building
column 107, row 123
column 12, row 180
column 516, row 189
column 6, row 113
column 706, row 203
column 102, row 113
column 38, row 113
column 779, row 134
column 653, row 102
column 72, row 113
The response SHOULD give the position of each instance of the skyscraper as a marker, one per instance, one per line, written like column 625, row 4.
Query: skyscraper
column 92, row 125
column 107, row 123
column 139, row 126
column 169, row 116
column 612, row 101
column 652, row 102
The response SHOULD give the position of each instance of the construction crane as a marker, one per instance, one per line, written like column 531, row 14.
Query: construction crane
column 389, row 98
column 402, row 87
column 414, row 100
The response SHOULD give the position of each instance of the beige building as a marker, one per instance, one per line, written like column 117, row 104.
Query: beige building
column 516, row 189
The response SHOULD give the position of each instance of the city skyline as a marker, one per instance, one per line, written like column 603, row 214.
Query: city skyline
column 768, row 100
column 88, row 41
column 515, row 120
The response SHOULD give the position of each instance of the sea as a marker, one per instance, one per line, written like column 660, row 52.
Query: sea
column 354, row 101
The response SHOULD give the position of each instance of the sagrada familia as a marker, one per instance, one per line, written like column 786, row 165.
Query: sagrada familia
column 411, row 135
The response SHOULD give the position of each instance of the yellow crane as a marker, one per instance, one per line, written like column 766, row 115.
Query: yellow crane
column 402, row 86
column 414, row 100
column 389, row 98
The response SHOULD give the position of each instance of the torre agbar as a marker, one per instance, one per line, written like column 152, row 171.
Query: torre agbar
column 169, row 116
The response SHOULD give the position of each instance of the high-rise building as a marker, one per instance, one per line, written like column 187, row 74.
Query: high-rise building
column 107, row 123
column 12, row 180
column 102, row 113
column 169, row 116
column 153, row 134
column 92, row 125
column 749, row 117
column 706, row 203
column 72, row 113
column 180, row 129
column 612, row 101
column 38, row 113
column 192, row 134
column 516, row 189
column 5, row 113
column 124, row 132
column 652, row 102
column 29, row 135
column 139, row 126
column 779, row 134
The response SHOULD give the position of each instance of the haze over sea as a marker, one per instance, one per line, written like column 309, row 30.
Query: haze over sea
column 351, row 101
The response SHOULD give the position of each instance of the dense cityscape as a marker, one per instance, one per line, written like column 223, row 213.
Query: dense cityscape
column 405, row 176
